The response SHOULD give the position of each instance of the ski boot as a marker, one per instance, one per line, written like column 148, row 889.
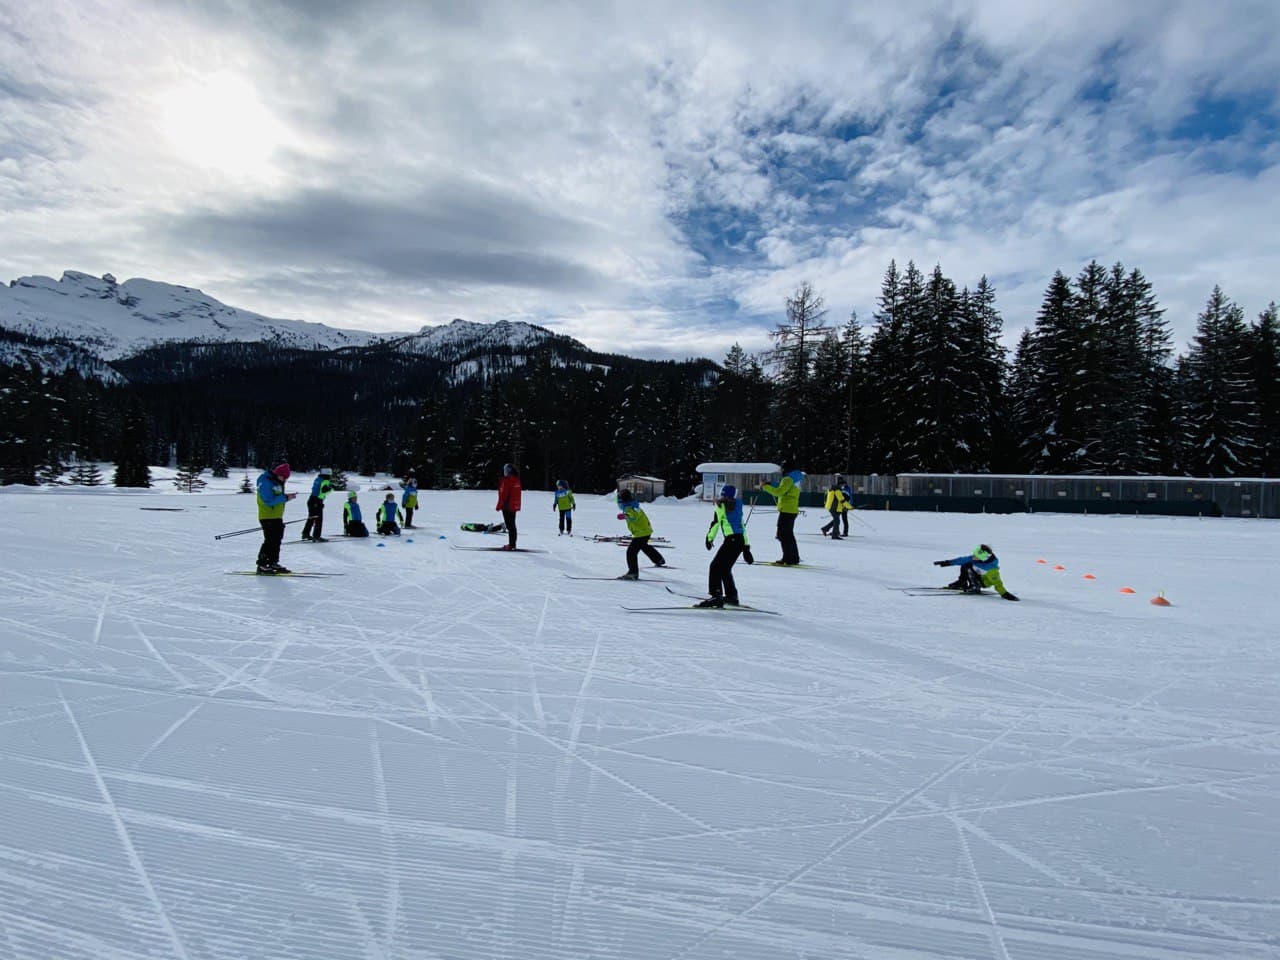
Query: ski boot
column 629, row 576
column 713, row 602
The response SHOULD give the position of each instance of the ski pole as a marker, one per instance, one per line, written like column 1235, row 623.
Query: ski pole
column 240, row 533
column 750, row 512
column 861, row 521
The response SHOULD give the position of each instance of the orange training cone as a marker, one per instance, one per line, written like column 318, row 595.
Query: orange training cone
column 1042, row 561
column 1058, row 566
column 1088, row 576
column 1160, row 601
column 1128, row 590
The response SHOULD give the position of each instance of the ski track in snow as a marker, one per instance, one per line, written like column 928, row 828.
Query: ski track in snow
column 467, row 755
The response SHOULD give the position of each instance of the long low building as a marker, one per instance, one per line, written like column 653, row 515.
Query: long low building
column 1019, row 493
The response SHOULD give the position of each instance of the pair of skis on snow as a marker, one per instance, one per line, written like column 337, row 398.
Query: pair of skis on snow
column 741, row 608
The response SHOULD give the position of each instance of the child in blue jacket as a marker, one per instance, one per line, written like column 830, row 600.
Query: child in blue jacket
column 388, row 514
column 979, row 569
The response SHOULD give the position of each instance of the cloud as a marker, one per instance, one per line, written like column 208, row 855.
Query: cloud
column 655, row 180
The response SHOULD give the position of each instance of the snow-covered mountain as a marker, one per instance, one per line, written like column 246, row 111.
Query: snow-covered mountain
column 87, row 321
column 113, row 320
column 462, row 338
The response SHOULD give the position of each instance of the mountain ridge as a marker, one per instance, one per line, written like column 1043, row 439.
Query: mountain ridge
column 101, row 320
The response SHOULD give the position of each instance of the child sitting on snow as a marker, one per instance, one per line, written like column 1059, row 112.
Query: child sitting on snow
column 980, row 569
column 352, row 521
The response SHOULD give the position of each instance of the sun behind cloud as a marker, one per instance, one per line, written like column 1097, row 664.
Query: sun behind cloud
column 219, row 122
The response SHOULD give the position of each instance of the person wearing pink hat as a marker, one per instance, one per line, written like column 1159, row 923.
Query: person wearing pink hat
column 271, row 501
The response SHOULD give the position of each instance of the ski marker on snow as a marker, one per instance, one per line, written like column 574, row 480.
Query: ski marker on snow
column 1058, row 566
column 1088, row 576
column 1160, row 601
column 1128, row 590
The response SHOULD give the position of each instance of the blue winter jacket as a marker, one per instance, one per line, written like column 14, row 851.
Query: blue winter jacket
column 271, row 497
column 321, row 486
column 410, row 496
column 351, row 512
column 991, row 563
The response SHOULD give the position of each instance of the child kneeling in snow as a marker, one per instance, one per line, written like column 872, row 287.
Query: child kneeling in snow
column 388, row 515
column 980, row 569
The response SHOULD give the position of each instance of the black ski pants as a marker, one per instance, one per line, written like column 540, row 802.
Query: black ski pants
column 834, row 525
column 566, row 521
column 272, row 535
column 787, row 537
column 634, row 548
column 720, row 579
column 408, row 516
column 509, row 518
column 315, row 518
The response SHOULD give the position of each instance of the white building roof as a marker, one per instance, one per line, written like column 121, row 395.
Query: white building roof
column 637, row 476
column 739, row 468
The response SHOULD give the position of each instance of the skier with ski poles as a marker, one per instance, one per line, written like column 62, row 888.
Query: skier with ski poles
column 271, row 501
column 728, row 522
column 979, row 569
column 848, row 507
column 321, row 487
column 641, row 530
column 787, row 495
column 837, row 505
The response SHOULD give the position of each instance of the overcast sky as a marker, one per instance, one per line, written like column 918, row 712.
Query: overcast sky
column 648, row 177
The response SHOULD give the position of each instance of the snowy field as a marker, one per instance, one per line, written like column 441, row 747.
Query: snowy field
column 448, row 754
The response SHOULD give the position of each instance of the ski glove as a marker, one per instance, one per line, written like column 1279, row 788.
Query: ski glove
column 709, row 544
column 942, row 563
column 746, row 555
column 622, row 516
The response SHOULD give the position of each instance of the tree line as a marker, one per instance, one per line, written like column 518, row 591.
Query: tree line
column 1093, row 387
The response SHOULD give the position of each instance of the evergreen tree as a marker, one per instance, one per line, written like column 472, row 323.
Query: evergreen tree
column 188, row 477
column 1022, row 397
column 939, row 396
column 245, row 485
column 30, row 425
column 131, row 448
column 86, row 474
column 220, row 469
column 795, row 342
column 736, row 411
column 984, row 431
column 830, row 402
column 337, row 479
column 1220, row 400
column 856, row 455
column 1265, row 347
column 889, row 363
column 1058, row 408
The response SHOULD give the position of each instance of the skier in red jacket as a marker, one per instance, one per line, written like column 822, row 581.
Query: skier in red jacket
column 509, row 501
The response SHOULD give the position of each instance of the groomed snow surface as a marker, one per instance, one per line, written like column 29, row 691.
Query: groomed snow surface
column 449, row 754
